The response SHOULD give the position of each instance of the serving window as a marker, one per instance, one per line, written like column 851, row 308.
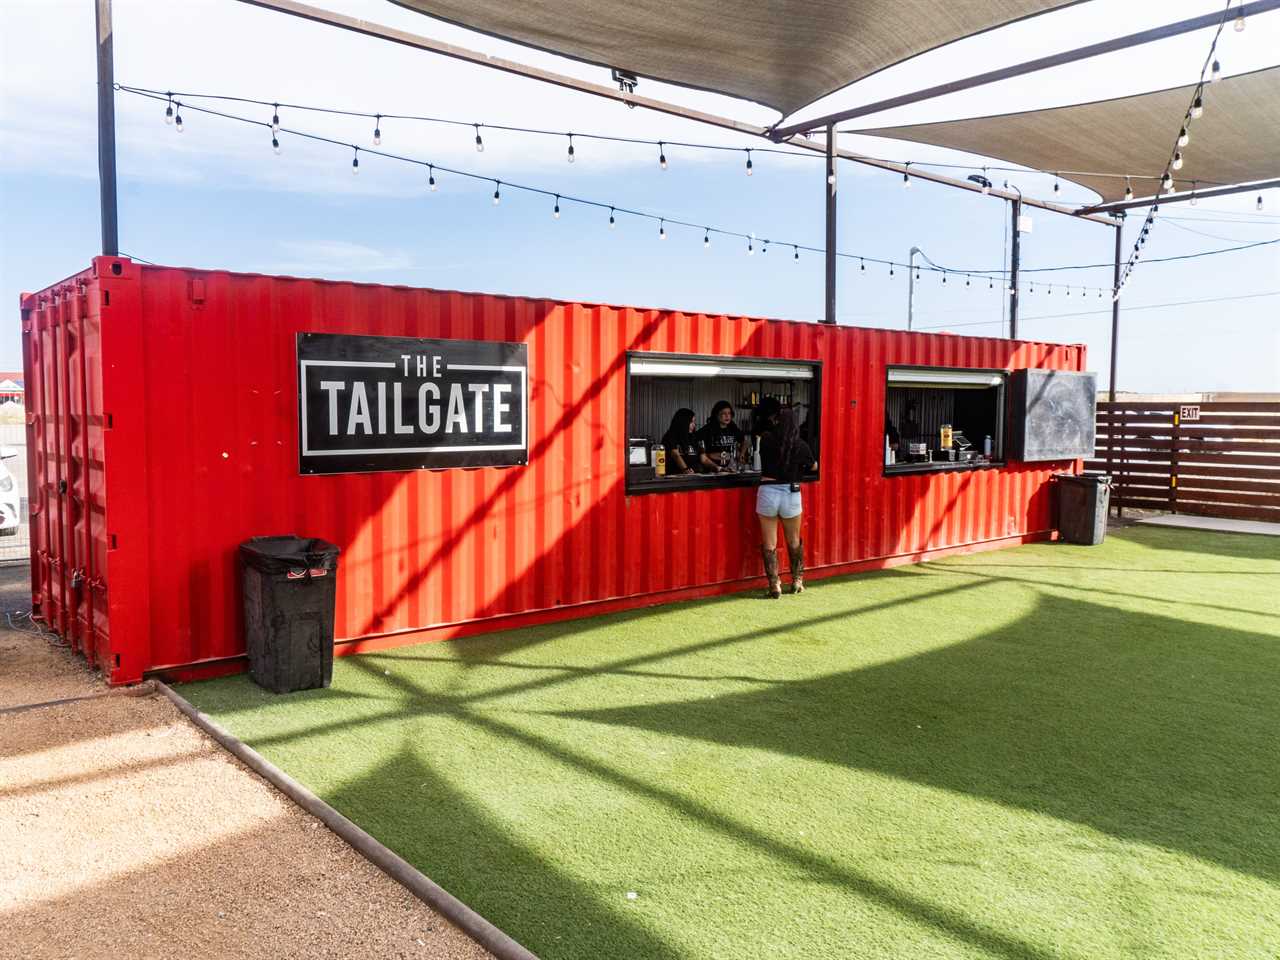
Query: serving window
column 941, row 418
column 659, row 385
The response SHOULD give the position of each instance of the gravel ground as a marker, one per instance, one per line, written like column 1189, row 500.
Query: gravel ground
column 129, row 833
column 32, row 669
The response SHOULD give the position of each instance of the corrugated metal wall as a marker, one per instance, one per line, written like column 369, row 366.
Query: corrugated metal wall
column 199, row 383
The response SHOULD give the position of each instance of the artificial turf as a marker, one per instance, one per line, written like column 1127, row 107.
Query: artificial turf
column 1045, row 752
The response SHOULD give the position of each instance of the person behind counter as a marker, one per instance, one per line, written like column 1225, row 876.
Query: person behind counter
column 723, row 442
column 681, row 443
column 784, row 459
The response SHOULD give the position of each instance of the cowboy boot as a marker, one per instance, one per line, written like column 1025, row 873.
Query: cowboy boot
column 796, row 555
column 771, row 571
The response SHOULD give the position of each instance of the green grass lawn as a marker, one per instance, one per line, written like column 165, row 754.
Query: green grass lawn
column 1045, row 752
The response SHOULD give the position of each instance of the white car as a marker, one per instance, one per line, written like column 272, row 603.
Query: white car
column 9, row 503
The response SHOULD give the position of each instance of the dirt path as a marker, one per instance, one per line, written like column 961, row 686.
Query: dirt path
column 129, row 833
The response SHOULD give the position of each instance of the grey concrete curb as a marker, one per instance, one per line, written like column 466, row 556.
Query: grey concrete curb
column 397, row 868
column 139, row 690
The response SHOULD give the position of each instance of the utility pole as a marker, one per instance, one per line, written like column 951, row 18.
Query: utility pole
column 911, row 284
column 1014, row 257
column 831, row 225
column 1115, row 307
column 107, row 130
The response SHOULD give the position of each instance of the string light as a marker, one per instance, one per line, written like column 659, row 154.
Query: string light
column 1056, row 188
column 662, row 229
column 748, row 163
column 1239, row 24
column 555, row 214
column 497, row 192
column 355, row 160
column 1128, row 189
column 168, row 112
column 177, row 117
column 431, row 177
column 764, row 248
column 706, row 238
column 569, row 156
column 377, row 131
column 862, row 265
column 1194, row 185
column 275, row 144
column 479, row 140
column 1215, row 72
column 1184, row 137
column 906, row 176
column 612, row 222
column 891, row 269
column 275, row 118
column 1258, row 205
column 1166, row 183
column 662, row 155
column 966, row 280
column 795, row 251
column 751, row 244
column 1197, row 108
column 1177, row 160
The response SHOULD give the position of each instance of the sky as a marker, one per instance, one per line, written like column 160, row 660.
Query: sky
column 217, row 196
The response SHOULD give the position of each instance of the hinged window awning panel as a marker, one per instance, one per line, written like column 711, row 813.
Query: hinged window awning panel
column 942, row 377
column 1237, row 140
column 784, row 54
column 738, row 369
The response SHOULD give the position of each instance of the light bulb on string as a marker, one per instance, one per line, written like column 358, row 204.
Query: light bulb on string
column 479, row 139
column 991, row 284
column 168, row 111
column 944, row 277
column 497, row 192
column 749, row 163
column 662, row 229
column 275, row 144
column 1184, row 137
column 764, row 248
column 1056, row 187
column 1258, row 205
column 1194, row 184
column 751, row 245
column 662, row 155
column 795, row 251
column 906, row 177
column 569, row 155
column 555, row 214
column 891, row 269
column 1128, row 189
column 612, row 221
column 706, row 238
column 355, row 160
column 862, row 265
column 275, row 118
column 1239, row 24
column 431, row 178
column 1166, row 183
column 1197, row 108
column 177, row 117
column 377, row 130
column 966, row 280
column 1215, row 72
column 1177, row 160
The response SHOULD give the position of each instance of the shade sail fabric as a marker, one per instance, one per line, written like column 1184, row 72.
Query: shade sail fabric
column 1237, row 140
column 784, row 54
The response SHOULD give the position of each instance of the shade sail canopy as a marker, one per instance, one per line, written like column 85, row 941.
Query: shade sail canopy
column 784, row 54
column 1237, row 140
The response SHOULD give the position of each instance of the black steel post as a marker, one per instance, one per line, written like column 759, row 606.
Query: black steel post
column 107, row 131
column 831, row 225
column 1115, row 308
column 1015, row 294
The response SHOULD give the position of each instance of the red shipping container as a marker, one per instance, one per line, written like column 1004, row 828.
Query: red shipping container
column 163, row 432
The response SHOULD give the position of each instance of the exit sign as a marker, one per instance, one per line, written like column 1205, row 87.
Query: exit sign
column 1189, row 413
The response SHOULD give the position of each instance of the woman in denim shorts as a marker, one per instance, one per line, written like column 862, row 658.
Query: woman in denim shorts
column 784, row 459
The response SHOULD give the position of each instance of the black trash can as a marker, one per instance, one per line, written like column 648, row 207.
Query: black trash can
column 289, row 591
column 1082, row 504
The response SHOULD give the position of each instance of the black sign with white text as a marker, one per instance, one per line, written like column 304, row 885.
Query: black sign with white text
column 403, row 403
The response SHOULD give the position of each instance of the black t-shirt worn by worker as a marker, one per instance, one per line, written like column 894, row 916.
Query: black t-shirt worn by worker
column 688, row 446
column 716, row 440
column 771, row 464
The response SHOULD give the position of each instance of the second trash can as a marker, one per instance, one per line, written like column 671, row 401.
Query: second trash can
column 1082, row 505
column 289, row 593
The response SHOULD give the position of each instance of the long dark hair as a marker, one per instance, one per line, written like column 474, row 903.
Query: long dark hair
column 715, row 411
column 678, row 432
column 787, row 433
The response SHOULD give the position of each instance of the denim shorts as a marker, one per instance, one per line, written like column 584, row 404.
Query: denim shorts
column 777, row 500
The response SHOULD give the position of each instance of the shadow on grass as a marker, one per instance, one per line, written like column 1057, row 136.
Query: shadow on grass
column 1144, row 727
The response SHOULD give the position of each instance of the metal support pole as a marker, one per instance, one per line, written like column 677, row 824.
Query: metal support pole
column 1115, row 309
column 831, row 225
column 911, row 285
column 1014, row 257
column 107, row 131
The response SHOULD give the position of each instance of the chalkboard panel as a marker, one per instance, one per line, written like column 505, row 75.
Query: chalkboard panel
column 1051, row 414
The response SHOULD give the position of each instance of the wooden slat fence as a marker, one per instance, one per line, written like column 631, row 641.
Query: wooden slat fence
column 1223, row 463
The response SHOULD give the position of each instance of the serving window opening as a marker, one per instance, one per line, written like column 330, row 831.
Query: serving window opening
column 668, row 392
column 943, row 419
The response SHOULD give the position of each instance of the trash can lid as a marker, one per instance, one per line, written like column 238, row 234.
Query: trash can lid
column 1092, row 480
column 283, row 553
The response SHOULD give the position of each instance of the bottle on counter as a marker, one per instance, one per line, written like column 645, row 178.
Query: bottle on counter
column 946, row 436
column 986, row 447
column 660, row 460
